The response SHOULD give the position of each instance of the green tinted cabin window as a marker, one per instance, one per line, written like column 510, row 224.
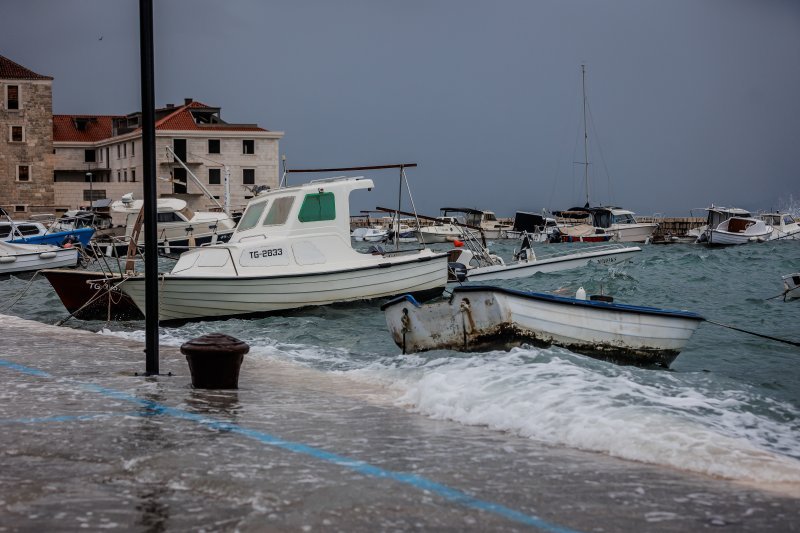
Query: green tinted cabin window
column 317, row 207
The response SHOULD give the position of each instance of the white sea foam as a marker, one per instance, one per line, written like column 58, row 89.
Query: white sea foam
column 556, row 401
column 642, row 415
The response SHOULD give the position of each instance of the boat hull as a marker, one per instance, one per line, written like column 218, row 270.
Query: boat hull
column 58, row 238
column 183, row 298
column 632, row 232
column 480, row 318
column 724, row 238
column 521, row 269
column 90, row 295
column 29, row 258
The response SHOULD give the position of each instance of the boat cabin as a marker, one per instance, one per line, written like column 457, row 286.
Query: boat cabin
column 718, row 215
column 27, row 229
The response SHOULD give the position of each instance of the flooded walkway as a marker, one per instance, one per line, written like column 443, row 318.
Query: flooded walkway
column 85, row 443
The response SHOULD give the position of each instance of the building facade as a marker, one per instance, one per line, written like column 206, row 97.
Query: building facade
column 51, row 163
column 101, row 156
column 26, row 139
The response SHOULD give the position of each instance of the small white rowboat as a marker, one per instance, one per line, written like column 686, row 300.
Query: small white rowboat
column 482, row 317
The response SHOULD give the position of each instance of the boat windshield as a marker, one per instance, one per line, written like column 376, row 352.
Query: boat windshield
column 788, row 219
column 186, row 212
column 279, row 212
column 489, row 217
column 627, row 218
column 251, row 216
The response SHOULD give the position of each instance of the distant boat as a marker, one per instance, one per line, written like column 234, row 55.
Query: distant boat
column 179, row 227
column 473, row 262
column 16, row 257
column 738, row 230
column 599, row 223
column 784, row 226
column 485, row 220
column 716, row 215
column 482, row 318
column 34, row 232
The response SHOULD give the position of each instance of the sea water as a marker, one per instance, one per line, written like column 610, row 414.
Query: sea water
column 728, row 407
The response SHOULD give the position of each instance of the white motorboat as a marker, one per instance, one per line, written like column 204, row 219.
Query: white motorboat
column 622, row 225
column 483, row 317
column 473, row 262
column 716, row 216
column 291, row 249
column 738, row 230
column 443, row 229
column 538, row 228
column 791, row 286
column 179, row 227
column 485, row 220
column 16, row 257
column 784, row 226
column 371, row 234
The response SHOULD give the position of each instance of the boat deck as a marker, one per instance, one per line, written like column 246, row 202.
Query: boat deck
column 85, row 443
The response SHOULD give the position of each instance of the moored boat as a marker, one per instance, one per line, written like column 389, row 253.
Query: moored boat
column 738, row 230
column 479, row 265
column 483, row 317
column 291, row 249
column 16, row 257
column 784, row 226
column 92, row 295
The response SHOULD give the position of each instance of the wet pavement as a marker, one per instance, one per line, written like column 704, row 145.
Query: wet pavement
column 87, row 444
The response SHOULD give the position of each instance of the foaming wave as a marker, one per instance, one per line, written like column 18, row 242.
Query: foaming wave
column 540, row 395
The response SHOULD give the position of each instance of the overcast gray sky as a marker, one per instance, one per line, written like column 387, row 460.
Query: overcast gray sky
column 692, row 101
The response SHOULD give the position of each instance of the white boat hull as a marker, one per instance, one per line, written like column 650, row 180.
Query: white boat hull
column 191, row 297
column 603, row 255
column 725, row 238
column 30, row 257
column 632, row 232
column 477, row 318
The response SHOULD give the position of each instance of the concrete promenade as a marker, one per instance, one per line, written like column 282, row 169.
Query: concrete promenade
column 86, row 444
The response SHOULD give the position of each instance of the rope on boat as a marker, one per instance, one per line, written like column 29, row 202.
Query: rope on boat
column 22, row 293
column 786, row 341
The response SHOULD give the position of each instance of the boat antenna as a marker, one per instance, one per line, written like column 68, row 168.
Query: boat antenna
column 283, row 176
column 585, row 135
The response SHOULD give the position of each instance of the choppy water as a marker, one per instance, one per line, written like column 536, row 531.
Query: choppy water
column 729, row 407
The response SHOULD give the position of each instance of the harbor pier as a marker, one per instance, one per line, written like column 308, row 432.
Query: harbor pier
column 87, row 443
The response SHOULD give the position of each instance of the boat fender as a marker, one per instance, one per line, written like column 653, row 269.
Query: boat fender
column 68, row 241
column 580, row 294
column 466, row 316
column 457, row 243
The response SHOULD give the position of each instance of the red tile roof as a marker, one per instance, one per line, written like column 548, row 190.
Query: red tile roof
column 181, row 119
column 98, row 127
column 10, row 70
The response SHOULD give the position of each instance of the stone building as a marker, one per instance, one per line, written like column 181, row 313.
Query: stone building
column 51, row 163
column 100, row 156
column 26, row 140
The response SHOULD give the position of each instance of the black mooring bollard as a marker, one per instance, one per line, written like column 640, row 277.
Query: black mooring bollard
column 214, row 360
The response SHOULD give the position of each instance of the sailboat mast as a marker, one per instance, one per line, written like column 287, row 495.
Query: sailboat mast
column 585, row 137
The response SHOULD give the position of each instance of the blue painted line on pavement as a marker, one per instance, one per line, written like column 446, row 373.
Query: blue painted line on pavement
column 413, row 480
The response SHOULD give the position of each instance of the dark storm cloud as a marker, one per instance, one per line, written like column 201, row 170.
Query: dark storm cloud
column 692, row 101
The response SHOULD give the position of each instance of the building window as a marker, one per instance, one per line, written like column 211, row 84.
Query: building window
column 20, row 208
column 23, row 173
column 119, row 153
column 12, row 97
column 133, row 148
column 133, row 174
column 17, row 134
column 248, row 146
column 101, row 154
column 89, row 156
column 213, row 146
column 125, row 176
column 90, row 195
column 249, row 176
column 124, row 149
column 119, row 176
column 214, row 176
